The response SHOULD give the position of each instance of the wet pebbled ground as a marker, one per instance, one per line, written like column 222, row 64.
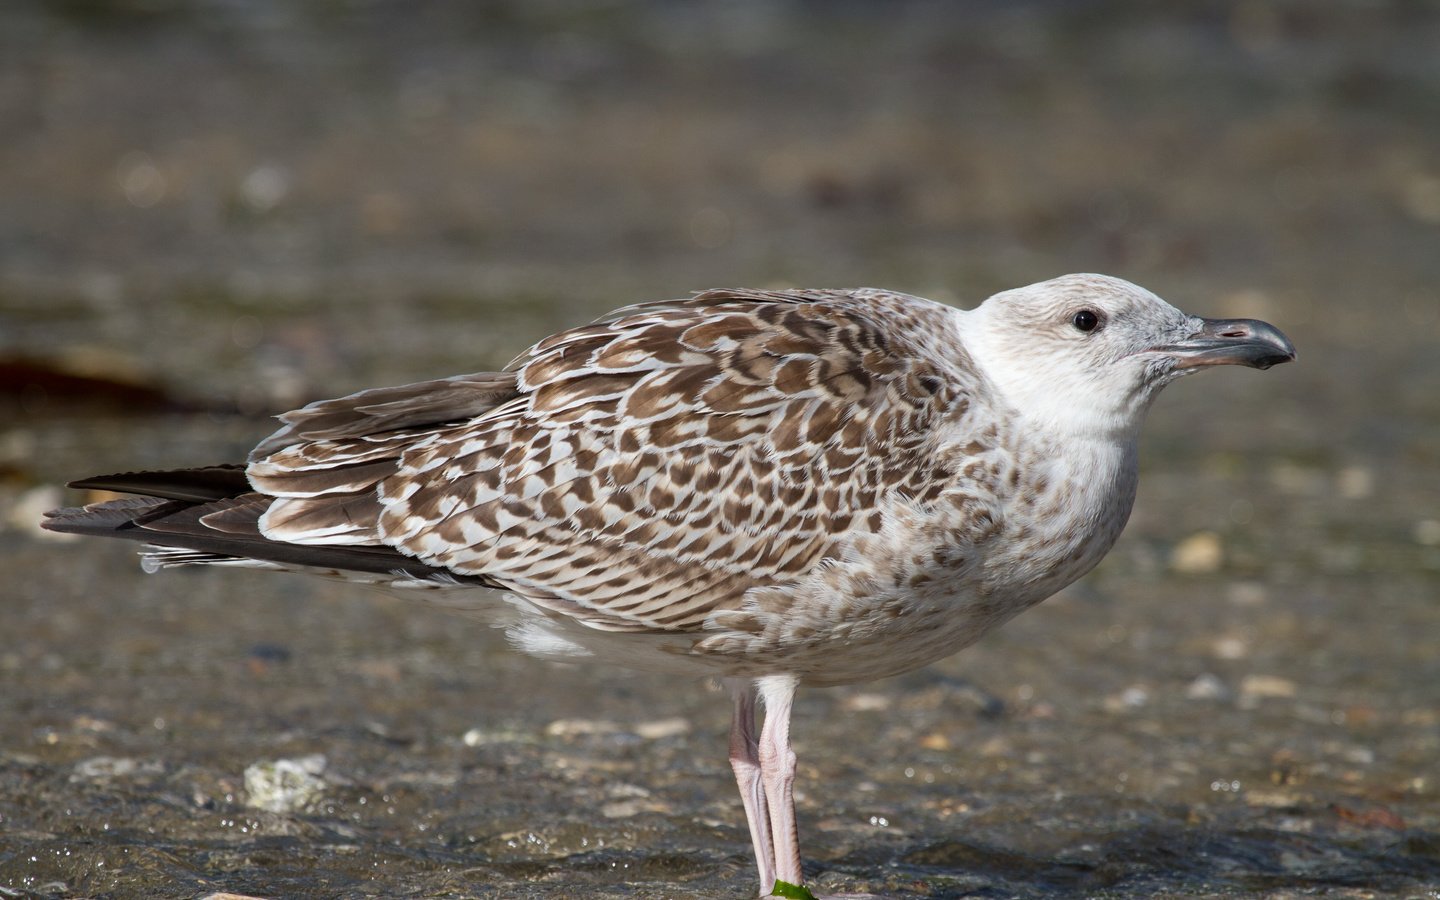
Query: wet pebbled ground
column 213, row 213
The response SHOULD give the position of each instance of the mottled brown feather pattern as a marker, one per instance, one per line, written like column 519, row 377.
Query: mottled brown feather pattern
column 693, row 449
column 386, row 409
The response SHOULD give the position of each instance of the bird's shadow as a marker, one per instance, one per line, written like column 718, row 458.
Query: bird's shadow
column 1147, row 861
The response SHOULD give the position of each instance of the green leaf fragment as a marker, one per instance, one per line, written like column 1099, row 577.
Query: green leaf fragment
column 793, row 891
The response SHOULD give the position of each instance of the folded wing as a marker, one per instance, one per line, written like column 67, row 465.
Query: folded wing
column 638, row 474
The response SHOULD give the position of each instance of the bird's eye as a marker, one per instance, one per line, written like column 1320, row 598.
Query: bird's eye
column 1085, row 320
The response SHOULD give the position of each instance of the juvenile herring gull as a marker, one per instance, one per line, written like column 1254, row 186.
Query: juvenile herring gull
column 775, row 488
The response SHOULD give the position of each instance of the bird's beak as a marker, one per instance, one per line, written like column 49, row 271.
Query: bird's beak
column 1232, row 342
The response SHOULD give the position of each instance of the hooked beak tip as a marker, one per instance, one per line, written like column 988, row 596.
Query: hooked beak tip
column 1233, row 342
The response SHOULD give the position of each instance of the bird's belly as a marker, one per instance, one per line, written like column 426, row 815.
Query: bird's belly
column 844, row 637
column 880, row 650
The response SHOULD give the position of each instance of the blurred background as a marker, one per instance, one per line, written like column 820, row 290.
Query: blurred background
column 212, row 210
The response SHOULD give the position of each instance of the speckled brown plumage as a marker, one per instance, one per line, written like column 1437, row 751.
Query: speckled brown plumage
column 646, row 471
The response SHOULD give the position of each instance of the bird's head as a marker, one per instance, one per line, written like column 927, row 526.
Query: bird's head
column 1086, row 354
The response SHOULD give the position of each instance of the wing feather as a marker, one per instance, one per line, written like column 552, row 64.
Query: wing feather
column 389, row 409
column 706, row 447
column 642, row 473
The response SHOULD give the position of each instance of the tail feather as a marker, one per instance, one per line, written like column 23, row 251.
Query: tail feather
column 181, row 514
column 108, row 519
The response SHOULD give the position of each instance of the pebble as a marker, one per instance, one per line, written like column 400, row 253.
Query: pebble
column 580, row 727
column 1133, row 697
column 484, row 737
column 1207, row 687
column 652, row 730
column 867, row 702
column 285, row 785
column 1199, row 554
column 1229, row 647
column 1263, row 687
column 629, row 800
column 1355, row 482
column 663, row 728
column 1272, row 799
column 996, row 746
column 1427, row 532
column 1421, row 198
column 104, row 768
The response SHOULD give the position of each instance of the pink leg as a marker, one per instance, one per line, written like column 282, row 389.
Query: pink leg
column 745, row 760
column 777, row 772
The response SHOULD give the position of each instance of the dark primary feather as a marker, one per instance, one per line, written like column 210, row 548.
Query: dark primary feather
column 198, row 484
column 225, row 529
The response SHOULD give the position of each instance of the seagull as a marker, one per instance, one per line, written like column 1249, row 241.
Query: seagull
column 767, row 487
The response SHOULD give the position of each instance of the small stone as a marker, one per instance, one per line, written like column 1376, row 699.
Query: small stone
column 1272, row 799
column 104, row 768
column 285, row 785
column 628, row 800
column 264, row 188
column 996, row 746
column 1421, row 198
column 867, row 702
column 1355, row 482
column 1267, row 687
column 1207, row 687
column 1230, row 647
column 663, row 728
column 1132, row 697
column 484, row 737
column 1199, row 554
column 626, row 790
column 580, row 727
column 1427, row 532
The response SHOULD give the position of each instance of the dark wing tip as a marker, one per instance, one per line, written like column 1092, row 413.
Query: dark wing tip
column 103, row 518
column 196, row 485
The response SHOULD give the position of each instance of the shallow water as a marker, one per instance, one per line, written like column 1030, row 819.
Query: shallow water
column 249, row 211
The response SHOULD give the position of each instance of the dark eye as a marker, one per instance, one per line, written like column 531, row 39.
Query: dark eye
column 1086, row 320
